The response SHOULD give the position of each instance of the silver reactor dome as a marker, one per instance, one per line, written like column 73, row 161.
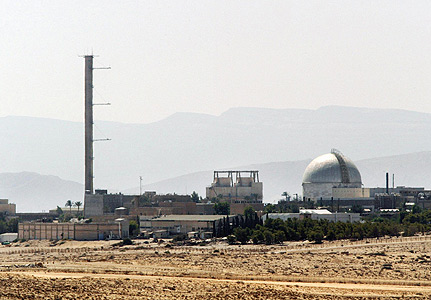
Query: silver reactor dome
column 333, row 167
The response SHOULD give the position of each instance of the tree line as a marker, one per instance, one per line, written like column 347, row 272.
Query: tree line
column 277, row 231
column 8, row 225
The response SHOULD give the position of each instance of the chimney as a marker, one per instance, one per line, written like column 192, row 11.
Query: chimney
column 387, row 183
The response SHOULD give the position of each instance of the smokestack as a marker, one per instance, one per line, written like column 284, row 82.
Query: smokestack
column 387, row 183
column 89, row 124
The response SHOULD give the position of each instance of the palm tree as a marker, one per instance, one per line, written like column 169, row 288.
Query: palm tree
column 78, row 204
column 69, row 204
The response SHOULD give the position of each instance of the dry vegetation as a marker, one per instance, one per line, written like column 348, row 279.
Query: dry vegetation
column 99, row 270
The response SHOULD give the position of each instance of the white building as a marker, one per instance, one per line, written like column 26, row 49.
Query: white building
column 8, row 237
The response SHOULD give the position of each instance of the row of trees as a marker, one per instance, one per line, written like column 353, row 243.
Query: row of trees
column 69, row 204
column 277, row 230
column 8, row 226
column 227, row 225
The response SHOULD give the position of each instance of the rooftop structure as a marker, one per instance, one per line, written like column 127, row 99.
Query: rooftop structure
column 7, row 208
column 236, row 187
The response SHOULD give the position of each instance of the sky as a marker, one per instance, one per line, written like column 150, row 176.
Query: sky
column 208, row 56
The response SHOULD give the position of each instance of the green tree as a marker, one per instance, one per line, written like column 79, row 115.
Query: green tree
column 231, row 239
column 78, row 204
column 279, row 236
column 59, row 210
column 69, row 204
column 195, row 197
column 316, row 236
column 287, row 196
column 416, row 209
column 222, row 208
column 133, row 228
column 269, row 237
column 357, row 208
column 257, row 236
column 242, row 235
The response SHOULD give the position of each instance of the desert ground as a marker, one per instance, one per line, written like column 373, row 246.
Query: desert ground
column 368, row 269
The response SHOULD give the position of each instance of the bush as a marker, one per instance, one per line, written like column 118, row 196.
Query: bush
column 179, row 238
column 269, row 237
column 257, row 237
column 127, row 241
column 133, row 228
column 316, row 236
column 242, row 235
column 279, row 236
column 231, row 239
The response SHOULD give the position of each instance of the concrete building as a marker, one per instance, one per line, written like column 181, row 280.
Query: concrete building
column 340, row 192
column 148, row 204
column 181, row 224
column 315, row 214
column 329, row 171
column 8, row 237
column 236, row 187
column 7, row 208
column 102, row 203
column 74, row 231
column 239, row 188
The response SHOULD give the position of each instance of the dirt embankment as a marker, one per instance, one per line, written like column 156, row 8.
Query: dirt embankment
column 98, row 270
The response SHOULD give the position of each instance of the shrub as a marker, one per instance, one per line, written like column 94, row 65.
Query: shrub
column 231, row 239
column 269, row 237
column 127, row 241
column 242, row 235
column 179, row 238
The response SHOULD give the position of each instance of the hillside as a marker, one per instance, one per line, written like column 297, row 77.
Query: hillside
column 188, row 142
column 277, row 177
column 35, row 192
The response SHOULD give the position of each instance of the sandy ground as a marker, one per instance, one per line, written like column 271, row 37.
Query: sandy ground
column 373, row 269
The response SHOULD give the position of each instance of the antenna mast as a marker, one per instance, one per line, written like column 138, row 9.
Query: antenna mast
column 89, row 158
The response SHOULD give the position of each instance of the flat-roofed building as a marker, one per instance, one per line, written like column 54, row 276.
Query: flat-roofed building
column 182, row 224
column 315, row 214
column 7, row 208
column 8, row 237
column 74, row 231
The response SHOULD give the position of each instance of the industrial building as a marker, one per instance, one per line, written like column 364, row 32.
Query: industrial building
column 332, row 180
column 75, row 231
column 236, row 187
column 327, row 172
column 7, row 208
column 8, row 237
column 239, row 188
column 149, row 204
column 181, row 224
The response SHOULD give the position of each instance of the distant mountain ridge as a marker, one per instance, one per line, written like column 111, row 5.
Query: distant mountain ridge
column 410, row 170
column 185, row 143
column 35, row 192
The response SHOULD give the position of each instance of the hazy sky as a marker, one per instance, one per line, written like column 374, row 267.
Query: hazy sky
column 208, row 56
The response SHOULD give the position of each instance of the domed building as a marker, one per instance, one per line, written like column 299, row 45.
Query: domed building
column 328, row 171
